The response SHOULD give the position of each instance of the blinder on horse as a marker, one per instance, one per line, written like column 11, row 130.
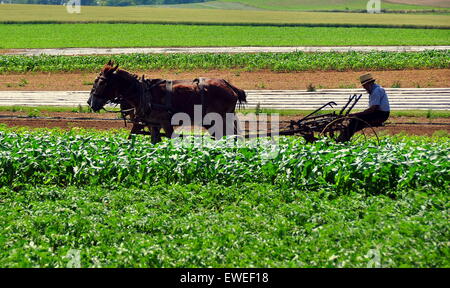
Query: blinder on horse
column 97, row 99
column 152, row 102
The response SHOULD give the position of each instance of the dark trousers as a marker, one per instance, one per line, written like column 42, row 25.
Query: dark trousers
column 375, row 118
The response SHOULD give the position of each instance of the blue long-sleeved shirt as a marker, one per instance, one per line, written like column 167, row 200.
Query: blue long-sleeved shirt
column 379, row 97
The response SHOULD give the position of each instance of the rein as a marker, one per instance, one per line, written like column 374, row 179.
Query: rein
column 120, row 111
column 123, row 112
column 144, row 98
column 119, row 100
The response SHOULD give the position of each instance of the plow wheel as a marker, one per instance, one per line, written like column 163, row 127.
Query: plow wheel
column 338, row 131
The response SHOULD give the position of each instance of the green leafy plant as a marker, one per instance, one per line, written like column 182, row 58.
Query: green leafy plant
column 127, row 203
column 310, row 88
column 281, row 62
column 34, row 113
column 396, row 84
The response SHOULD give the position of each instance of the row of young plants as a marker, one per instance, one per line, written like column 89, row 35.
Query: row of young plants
column 214, row 225
column 297, row 61
column 116, row 202
column 55, row 157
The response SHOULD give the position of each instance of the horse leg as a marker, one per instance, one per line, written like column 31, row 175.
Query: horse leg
column 226, row 127
column 168, row 129
column 231, row 125
column 155, row 134
column 236, row 130
column 135, row 129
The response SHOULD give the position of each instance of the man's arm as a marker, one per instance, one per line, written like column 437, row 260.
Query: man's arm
column 367, row 111
column 375, row 103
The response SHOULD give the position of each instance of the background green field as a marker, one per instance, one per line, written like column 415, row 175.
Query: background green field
column 154, row 35
column 49, row 13
column 127, row 203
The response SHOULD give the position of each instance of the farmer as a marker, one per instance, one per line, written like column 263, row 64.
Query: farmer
column 375, row 115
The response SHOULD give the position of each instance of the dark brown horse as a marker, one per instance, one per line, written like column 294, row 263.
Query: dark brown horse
column 156, row 101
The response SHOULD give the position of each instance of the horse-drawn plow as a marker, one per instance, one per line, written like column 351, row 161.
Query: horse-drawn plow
column 314, row 126
column 331, row 125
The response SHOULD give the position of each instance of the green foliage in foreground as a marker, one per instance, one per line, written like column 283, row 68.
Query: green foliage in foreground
column 152, row 35
column 125, row 203
column 68, row 158
column 246, row 225
column 297, row 61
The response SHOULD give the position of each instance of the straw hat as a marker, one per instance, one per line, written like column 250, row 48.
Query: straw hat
column 366, row 78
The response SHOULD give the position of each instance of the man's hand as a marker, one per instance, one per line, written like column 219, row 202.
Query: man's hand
column 371, row 109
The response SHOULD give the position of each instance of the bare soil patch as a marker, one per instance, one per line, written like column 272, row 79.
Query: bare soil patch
column 415, row 126
column 78, row 81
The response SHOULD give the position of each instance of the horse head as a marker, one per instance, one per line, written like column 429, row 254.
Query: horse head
column 104, row 88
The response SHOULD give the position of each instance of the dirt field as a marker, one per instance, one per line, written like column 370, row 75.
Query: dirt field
column 415, row 126
column 246, row 80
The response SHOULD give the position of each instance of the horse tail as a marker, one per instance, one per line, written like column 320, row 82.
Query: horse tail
column 242, row 97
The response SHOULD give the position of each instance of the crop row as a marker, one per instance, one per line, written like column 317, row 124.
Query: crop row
column 60, row 158
column 297, row 61
column 126, row 203
column 213, row 225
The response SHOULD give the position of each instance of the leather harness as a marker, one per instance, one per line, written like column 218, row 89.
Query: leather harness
column 148, row 102
column 202, row 89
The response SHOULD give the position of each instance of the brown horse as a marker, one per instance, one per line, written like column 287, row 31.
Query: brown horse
column 156, row 101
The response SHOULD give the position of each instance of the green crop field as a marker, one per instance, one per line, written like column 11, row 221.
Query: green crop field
column 281, row 62
column 57, row 14
column 154, row 35
column 127, row 203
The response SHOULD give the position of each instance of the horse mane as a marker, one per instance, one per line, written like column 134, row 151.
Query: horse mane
column 127, row 75
column 107, row 68
column 153, row 81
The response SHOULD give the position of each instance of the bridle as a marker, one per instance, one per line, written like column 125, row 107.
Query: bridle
column 99, row 90
column 144, row 97
column 100, row 87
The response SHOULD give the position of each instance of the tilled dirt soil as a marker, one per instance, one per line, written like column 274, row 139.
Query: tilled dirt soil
column 79, row 81
column 395, row 125
column 246, row 80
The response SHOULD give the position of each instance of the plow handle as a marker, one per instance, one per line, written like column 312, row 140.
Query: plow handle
column 331, row 103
